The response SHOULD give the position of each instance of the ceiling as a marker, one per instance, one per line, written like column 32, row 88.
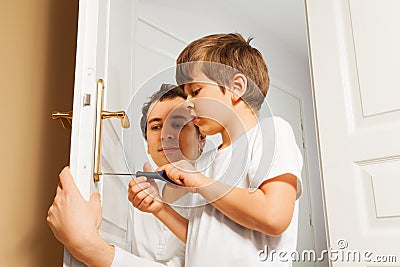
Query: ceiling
column 285, row 19
column 282, row 20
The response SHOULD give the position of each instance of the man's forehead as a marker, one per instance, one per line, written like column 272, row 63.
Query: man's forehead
column 173, row 108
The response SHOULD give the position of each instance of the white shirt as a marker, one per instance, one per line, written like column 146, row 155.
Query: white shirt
column 152, row 243
column 266, row 151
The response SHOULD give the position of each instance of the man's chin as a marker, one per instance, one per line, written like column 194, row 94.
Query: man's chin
column 166, row 159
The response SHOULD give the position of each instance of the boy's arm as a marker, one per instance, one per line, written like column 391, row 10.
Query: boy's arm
column 268, row 209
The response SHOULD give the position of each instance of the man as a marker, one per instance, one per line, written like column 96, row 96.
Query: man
column 171, row 136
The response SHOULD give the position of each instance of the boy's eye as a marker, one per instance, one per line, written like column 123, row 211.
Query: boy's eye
column 196, row 92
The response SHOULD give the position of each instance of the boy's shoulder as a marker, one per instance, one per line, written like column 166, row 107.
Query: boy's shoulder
column 275, row 151
column 273, row 128
column 274, row 122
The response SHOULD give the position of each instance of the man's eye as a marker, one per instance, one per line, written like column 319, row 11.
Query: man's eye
column 155, row 127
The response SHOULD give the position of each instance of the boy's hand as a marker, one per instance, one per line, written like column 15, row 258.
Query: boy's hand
column 143, row 193
column 183, row 173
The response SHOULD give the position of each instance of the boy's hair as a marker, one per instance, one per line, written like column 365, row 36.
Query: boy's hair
column 167, row 91
column 228, row 50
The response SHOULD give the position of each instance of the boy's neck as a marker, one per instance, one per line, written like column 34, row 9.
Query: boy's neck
column 245, row 120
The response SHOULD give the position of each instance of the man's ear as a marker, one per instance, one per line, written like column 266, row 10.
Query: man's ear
column 239, row 86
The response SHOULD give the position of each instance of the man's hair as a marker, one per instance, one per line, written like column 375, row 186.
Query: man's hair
column 227, row 50
column 167, row 91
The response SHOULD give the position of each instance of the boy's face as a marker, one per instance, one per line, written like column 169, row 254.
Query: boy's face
column 171, row 135
column 210, row 108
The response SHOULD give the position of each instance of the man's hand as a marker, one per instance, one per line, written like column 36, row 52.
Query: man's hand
column 144, row 194
column 76, row 222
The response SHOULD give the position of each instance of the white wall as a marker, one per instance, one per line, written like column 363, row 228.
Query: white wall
column 289, row 69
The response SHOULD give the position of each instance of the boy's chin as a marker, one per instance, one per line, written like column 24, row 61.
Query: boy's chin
column 209, row 126
column 208, row 130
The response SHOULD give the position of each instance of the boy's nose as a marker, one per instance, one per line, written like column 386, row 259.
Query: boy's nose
column 189, row 104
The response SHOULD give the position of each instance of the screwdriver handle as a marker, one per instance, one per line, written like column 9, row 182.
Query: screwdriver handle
column 162, row 175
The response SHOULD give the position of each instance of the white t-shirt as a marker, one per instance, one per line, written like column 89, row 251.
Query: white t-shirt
column 266, row 151
column 152, row 243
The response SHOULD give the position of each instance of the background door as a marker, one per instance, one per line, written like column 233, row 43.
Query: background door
column 157, row 50
column 355, row 58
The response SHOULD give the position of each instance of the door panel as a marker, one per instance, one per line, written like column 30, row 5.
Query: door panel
column 373, row 49
column 354, row 52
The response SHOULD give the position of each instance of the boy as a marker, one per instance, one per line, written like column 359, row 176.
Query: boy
column 220, row 74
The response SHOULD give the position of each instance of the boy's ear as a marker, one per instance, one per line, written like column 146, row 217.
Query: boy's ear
column 239, row 86
column 202, row 142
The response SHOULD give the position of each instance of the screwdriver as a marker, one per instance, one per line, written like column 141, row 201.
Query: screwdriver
column 161, row 175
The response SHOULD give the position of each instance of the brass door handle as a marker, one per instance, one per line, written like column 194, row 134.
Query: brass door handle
column 103, row 114
column 66, row 117
column 66, row 121
column 121, row 115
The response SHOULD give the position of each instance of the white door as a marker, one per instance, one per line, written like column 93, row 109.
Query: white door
column 355, row 58
column 104, row 59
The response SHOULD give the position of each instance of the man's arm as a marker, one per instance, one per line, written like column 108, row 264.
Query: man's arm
column 174, row 221
column 76, row 222
column 171, row 193
column 144, row 195
column 125, row 259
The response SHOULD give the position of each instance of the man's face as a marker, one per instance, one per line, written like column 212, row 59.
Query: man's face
column 171, row 134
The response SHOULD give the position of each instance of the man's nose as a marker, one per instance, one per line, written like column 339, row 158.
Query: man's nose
column 168, row 136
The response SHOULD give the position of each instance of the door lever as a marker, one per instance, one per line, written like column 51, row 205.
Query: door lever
column 64, row 116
